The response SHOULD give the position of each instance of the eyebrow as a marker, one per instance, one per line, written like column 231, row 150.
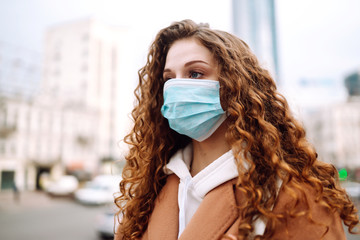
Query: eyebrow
column 195, row 61
column 187, row 64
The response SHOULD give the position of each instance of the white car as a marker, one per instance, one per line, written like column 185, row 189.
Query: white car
column 99, row 191
column 107, row 223
column 64, row 186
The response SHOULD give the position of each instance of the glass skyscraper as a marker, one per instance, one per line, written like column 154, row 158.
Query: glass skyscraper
column 254, row 22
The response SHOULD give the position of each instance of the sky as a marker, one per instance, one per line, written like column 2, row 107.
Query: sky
column 24, row 21
column 323, row 35
column 318, row 41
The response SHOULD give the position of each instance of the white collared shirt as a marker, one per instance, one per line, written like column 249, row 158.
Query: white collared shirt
column 192, row 190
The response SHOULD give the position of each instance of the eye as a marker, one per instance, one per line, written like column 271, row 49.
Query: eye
column 194, row 74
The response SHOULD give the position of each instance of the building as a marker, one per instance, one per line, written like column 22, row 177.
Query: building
column 82, row 68
column 39, row 137
column 335, row 129
column 352, row 84
column 20, row 71
column 72, row 124
column 254, row 22
column 335, row 132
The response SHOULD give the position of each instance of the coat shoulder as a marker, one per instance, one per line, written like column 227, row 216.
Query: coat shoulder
column 304, row 215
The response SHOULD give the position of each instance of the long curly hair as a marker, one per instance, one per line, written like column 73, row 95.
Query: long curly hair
column 262, row 132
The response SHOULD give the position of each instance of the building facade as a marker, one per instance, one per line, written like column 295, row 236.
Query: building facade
column 335, row 132
column 41, row 137
column 254, row 22
column 82, row 68
column 71, row 125
column 335, row 129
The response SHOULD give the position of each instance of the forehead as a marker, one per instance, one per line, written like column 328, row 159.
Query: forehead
column 187, row 50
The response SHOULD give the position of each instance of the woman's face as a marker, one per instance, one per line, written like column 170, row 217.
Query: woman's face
column 188, row 58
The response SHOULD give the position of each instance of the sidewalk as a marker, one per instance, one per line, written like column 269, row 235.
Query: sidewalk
column 27, row 199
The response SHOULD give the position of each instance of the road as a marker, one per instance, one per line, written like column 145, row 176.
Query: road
column 37, row 216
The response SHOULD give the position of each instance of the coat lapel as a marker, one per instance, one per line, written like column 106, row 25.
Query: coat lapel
column 164, row 220
column 216, row 214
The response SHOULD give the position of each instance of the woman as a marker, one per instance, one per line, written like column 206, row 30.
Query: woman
column 215, row 152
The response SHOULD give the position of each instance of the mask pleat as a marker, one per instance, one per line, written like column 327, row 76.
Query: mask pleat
column 192, row 106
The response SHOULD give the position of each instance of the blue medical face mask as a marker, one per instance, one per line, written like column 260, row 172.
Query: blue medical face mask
column 192, row 107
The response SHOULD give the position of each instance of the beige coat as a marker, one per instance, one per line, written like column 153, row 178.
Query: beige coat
column 218, row 215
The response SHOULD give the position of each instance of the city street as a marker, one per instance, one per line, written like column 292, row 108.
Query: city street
column 37, row 216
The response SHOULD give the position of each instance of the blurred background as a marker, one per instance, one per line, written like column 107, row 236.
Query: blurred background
column 68, row 70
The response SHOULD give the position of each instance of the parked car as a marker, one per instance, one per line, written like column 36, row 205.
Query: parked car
column 64, row 186
column 107, row 223
column 352, row 189
column 99, row 191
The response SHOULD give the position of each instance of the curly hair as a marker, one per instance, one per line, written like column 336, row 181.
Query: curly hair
column 262, row 132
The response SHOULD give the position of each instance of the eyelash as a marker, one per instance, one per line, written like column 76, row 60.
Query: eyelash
column 192, row 72
column 190, row 75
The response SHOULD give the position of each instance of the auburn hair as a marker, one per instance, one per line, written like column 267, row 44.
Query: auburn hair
column 262, row 132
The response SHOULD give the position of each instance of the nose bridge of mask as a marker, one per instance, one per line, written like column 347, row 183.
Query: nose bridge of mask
column 194, row 93
column 190, row 82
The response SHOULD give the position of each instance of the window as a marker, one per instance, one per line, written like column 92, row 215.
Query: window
column 57, row 72
column 13, row 149
column 2, row 147
column 85, row 37
column 84, row 67
column 57, row 57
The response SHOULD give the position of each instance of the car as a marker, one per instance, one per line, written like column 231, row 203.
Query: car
column 99, row 191
column 64, row 186
column 352, row 189
column 107, row 223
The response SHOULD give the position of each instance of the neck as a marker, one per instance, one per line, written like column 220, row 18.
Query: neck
column 207, row 151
